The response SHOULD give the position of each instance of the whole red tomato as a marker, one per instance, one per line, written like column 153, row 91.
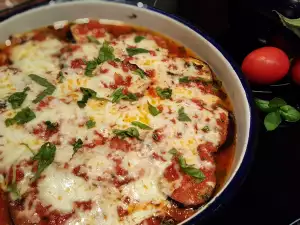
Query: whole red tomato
column 266, row 65
column 296, row 71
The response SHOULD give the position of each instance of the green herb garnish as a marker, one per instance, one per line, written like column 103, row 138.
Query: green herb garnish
column 118, row 95
column 138, row 39
column 45, row 157
column 141, row 125
column 140, row 72
column 153, row 110
column 135, row 51
column 51, row 126
column 90, row 124
column 182, row 116
column 93, row 40
column 188, row 169
column 77, row 145
column 205, row 129
column 277, row 110
column 60, row 77
column 50, row 88
column 165, row 93
column 22, row 117
column 12, row 188
column 106, row 53
column 17, row 99
column 129, row 132
column 88, row 94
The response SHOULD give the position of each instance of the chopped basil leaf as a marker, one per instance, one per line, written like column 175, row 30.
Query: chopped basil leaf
column 90, row 124
column 129, row 132
column 106, row 53
column 155, row 136
column 165, row 93
column 182, row 116
column 188, row 169
column 118, row 95
column 117, row 60
column 276, row 103
column 272, row 120
column 51, row 126
column 22, row 117
column 60, row 77
column 205, row 129
column 12, row 188
column 87, row 94
column 45, row 157
column 77, row 145
column 289, row 113
column 138, row 39
column 135, row 51
column 17, row 99
column 173, row 151
column 184, row 80
column 50, row 88
column 90, row 67
column 153, row 110
column 140, row 72
column 141, row 125
column 93, row 40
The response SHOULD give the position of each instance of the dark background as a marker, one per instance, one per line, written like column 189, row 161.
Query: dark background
column 271, row 192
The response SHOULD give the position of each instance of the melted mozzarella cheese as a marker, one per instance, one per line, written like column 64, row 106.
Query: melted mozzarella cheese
column 62, row 195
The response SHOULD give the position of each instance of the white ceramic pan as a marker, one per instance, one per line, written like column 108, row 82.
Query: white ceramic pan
column 182, row 32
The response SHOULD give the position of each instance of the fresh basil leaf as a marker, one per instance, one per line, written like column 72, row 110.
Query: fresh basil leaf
column 90, row 124
column 106, row 53
column 276, row 103
column 50, row 88
column 190, row 170
column 17, row 99
column 138, row 39
column 182, row 116
column 45, row 157
column 118, row 95
column 77, row 145
column 289, row 113
column 87, row 94
column 205, row 129
column 173, row 151
column 263, row 105
column 165, row 93
column 51, row 126
column 135, row 51
column 272, row 120
column 140, row 72
column 117, row 60
column 153, row 110
column 60, row 77
column 184, row 80
column 22, row 117
column 90, row 67
column 129, row 132
column 292, row 24
column 93, row 40
column 141, row 125
column 13, row 189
